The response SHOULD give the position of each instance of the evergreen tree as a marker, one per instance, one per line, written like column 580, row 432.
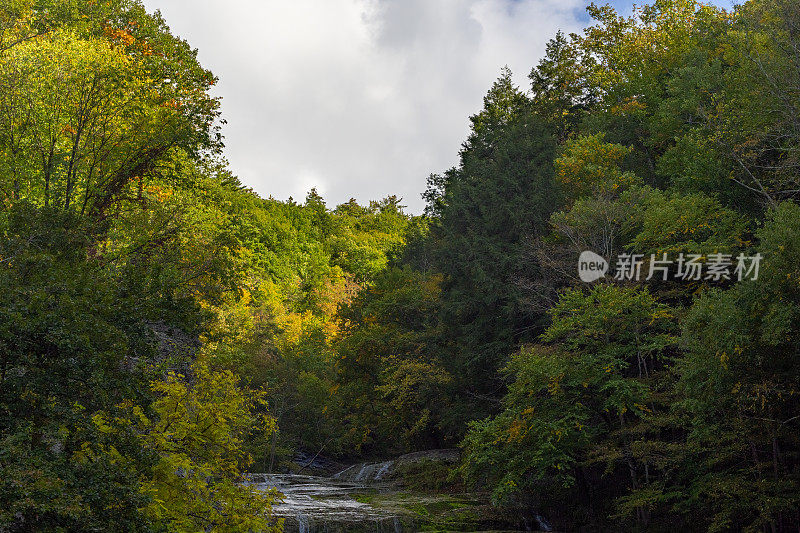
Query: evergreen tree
column 500, row 195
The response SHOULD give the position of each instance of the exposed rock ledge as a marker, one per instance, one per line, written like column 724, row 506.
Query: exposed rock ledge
column 381, row 472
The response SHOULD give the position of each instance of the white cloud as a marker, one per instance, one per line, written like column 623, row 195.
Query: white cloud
column 360, row 98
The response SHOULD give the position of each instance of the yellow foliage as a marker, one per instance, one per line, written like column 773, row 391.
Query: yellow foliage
column 198, row 432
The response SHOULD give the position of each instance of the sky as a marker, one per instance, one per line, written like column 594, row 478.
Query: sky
column 359, row 98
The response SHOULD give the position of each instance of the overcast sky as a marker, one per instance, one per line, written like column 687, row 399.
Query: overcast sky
column 359, row 98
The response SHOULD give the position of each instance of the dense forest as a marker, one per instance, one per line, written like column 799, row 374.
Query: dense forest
column 163, row 329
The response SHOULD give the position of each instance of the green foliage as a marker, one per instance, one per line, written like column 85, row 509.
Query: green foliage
column 426, row 475
column 591, row 167
column 758, row 126
column 127, row 250
column 92, row 108
column 390, row 388
column 559, row 91
column 69, row 342
column 295, row 267
column 571, row 401
column 197, row 431
column 367, row 235
column 739, row 385
column 676, row 129
column 499, row 197
column 74, row 343
column 117, row 228
column 690, row 223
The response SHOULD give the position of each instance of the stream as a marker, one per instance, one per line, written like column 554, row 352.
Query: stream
column 317, row 504
column 373, row 497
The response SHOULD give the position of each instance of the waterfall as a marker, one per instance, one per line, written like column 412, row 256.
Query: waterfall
column 384, row 469
column 362, row 473
column 303, row 524
column 388, row 525
column 365, row 472
column 544, row 525
column 366, row 497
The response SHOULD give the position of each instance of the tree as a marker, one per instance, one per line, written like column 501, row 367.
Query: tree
column 70, row 340
column 573, row 405
column 500, row 195
column 738, row 384
column 591, row 167
column 391, row 389
column 90, row 109
column 559, row 86
column 197, row 431
column 759, row 125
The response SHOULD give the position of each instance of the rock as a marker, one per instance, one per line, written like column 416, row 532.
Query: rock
column 315, row 464
column 172, row 346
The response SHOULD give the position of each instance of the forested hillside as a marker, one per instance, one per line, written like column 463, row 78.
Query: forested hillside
column 164, row 329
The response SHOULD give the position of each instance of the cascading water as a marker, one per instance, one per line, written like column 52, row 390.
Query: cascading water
column 366, row 497
column 302, row 524
column 311, row 504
